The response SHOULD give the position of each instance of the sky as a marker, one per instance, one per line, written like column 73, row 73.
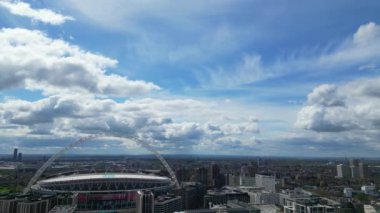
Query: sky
column 209, row 77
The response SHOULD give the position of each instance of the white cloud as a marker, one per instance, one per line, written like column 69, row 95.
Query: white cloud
column 358, row 50
column 325, row 95
column 29, row 59
column 129, row 13
column 367, row 87
column 174, row 124
column 352, row 106
column 325, row 119
column 346, row 115
column 250, row 69
column 184, row 37
column 366, row 34
column 41, row 15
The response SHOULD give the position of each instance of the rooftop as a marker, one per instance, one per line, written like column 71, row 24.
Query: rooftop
column 104, row 176
column 63, row 209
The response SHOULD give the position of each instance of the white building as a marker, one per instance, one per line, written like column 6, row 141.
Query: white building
column 342, row 171
column 266, row 181
column 347, row 192
column 369, row 189
column 369, row 209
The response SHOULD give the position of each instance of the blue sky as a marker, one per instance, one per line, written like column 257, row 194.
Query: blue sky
column 202, row 77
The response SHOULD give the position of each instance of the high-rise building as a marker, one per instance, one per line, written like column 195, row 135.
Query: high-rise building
column 19, row 158
column 363, row 170
column 244, row 171
column 213, row 176
column 354, row 172
column 144, row 201
column 267, row 182
column 33, row 206
column 9, row 203
column 248, row 170
column 201, row 175
column 253, row 168
column 15, row 154
column 354, row 168
column 167, row 204
column 182, row 174
column 342, row 171
column 354, row 162
column 192, row 195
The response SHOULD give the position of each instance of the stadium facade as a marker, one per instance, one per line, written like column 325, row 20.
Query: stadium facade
column 109, row 191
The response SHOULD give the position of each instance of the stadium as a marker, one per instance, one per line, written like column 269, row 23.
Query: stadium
column 103, row 191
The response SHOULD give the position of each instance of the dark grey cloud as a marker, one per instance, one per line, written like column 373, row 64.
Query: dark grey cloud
column 46, row 111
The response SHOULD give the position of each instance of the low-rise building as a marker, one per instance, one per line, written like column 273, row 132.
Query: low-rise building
column 233, row 206
column 369, row 189
column 369, row 209
column 221, row 196
column 268, row 208
column 292, row 194
column 347, row 192
column 266, row 181
column 310, row 205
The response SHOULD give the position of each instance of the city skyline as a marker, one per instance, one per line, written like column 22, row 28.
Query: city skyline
column 202, row 77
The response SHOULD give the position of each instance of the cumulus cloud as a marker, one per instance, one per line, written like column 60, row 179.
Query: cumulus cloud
column 325, row 95
column 325, row 111
column 152, row 120
column 325, row 119
column 366, row 34
column 30, row 59
column 364, row 87
column 352, row 106
column 40, row 15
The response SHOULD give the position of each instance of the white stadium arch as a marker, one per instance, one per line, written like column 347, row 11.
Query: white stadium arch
column 145, row 145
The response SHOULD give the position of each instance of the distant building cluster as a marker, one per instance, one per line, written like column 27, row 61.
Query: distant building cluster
column 206, row 186
column 354, row 170
column 17, row 156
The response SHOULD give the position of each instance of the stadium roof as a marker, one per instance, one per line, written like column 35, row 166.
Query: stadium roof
column 104, row 176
